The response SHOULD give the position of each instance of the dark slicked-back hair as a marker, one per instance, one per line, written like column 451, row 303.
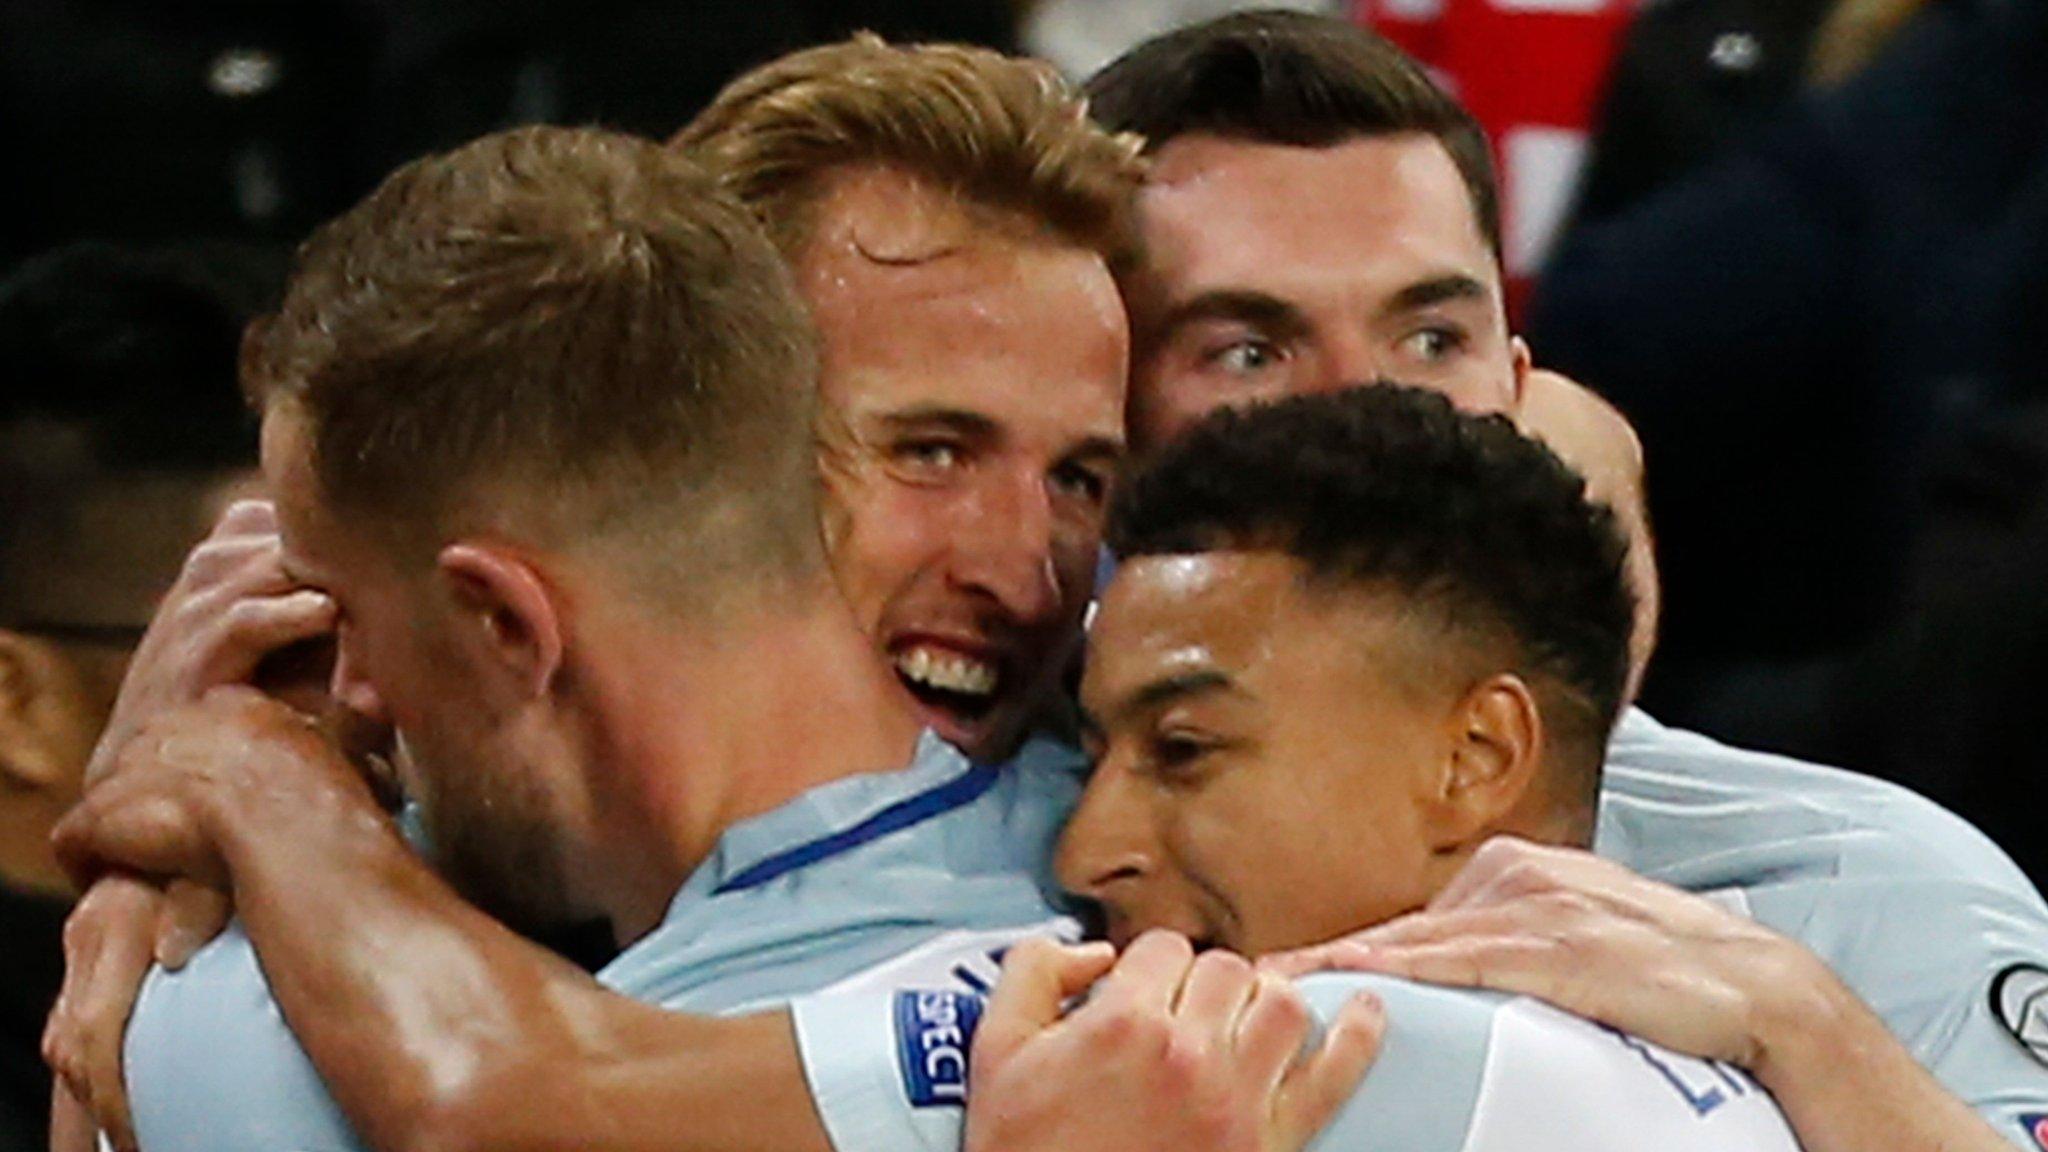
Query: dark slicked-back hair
column 1280, row 77
column 1481, row 533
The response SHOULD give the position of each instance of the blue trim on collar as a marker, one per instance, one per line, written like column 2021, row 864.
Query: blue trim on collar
column 958, row 792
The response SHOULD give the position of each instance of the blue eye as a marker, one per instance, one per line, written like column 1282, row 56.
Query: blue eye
column 1245, row 357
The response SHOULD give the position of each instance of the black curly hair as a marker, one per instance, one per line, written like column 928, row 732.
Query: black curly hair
column 1390, row 488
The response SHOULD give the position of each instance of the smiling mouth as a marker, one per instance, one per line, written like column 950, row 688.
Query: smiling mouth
column 957, row 684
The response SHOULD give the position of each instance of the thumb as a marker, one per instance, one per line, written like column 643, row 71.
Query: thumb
column 1039, row 977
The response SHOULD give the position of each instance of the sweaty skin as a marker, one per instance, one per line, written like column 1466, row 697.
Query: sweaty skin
column 490, row 1041
column 505, row 1047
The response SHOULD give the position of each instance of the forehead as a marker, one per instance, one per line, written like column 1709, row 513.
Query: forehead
column 1390, row 210
column 303, row 524
column 1247, row 615
column 920, row 302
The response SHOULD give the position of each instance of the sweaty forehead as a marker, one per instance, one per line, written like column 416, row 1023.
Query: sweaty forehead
column 1219, row 211
column 920, row 300
column 1254, row 618
column 1165, row 616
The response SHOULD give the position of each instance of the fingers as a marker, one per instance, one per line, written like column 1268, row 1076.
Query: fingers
column 71, row 1128
column 1270, row 1030
column 107, row 946
column 247, row 516
column 1148, row 976
column 1039, row 977
column 1346, row 955
column 134, row 829
column 1217, row 989
column 1317, row 1088
column 256, row 626
column 191, row 916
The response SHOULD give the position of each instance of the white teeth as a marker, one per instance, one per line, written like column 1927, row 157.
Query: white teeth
column 947, row 671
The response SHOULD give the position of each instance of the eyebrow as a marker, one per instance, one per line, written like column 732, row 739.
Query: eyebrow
column 1163, row 691
column 1251, row 307
column 974, row 424
column 1433, row 291
column 939, row 416
column 1097, row 448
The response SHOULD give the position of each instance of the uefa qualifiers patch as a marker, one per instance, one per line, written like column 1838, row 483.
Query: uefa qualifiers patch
column 2035, row 1125
column 2019, row 998
column 934, row 1031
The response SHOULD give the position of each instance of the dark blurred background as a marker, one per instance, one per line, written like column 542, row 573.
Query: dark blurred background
column 1803, row 244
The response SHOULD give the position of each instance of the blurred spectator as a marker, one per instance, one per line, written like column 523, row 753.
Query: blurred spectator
column 457, row 68
column 1949, row 702
column 138, row 121
column 1693, row 77
column 1530, row 71
column 1790, row 328
column 144, row 122
column 121, row 433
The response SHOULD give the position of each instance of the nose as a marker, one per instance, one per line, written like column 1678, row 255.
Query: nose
column 1107, row 850
column 1347, row 360
column 353, row 691
column 1004, row 547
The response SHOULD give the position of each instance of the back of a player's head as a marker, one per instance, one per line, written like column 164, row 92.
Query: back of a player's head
column 120, row 434
column 569, row 335
column 995, row 131
column 1289, row 78
column 119, row 422
column 1484, row 538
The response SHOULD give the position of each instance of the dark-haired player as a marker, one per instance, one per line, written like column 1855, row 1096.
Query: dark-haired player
column 1352, row 637
column 1319, row 212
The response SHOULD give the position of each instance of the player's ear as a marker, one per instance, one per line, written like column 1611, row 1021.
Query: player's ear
column 1494, row 750
column 509, row 609
column 1520, row 362
column 30, row 674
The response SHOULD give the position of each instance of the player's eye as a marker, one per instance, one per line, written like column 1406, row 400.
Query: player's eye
column 1434, row 344
column 928, row 457
column 1082, row 482
column 1244, row 357
column 1177, row 753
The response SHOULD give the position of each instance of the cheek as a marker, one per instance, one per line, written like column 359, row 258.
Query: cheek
column 881, row 534
column 1164, row 403
column 1077, row 554
column 1480, row 383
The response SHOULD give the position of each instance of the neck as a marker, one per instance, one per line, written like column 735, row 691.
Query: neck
column 702, row 730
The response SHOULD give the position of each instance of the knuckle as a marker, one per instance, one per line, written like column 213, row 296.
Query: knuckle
column 1284, row 1007
column 1183, row 1060
column 1228, row 966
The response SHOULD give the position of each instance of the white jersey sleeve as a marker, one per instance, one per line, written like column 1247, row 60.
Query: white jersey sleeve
column 1459, row 1071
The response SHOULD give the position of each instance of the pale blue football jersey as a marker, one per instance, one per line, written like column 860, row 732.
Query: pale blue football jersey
column 1918, row 912
column 1458, row 1071
column 944, row 855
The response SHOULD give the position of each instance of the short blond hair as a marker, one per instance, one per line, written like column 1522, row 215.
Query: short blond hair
column 994, row 131
column 571, row 329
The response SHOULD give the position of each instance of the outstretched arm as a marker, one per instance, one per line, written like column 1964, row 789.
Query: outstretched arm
column 1588, row 936
column 433, row 1026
